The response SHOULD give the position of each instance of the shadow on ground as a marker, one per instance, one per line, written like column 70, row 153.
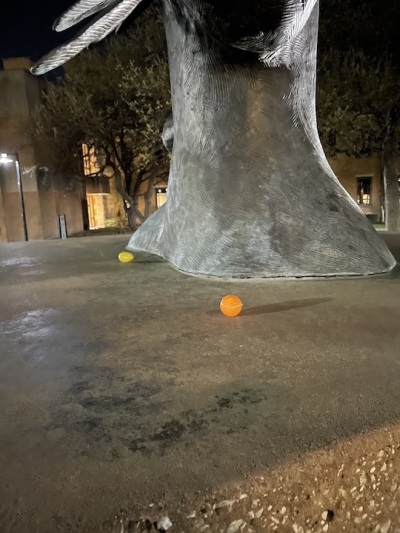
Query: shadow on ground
column 276, row 308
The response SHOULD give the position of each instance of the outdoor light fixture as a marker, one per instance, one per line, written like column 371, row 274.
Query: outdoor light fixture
column 10, row 158
column 4, row 159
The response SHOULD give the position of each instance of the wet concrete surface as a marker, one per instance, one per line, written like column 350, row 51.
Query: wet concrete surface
column 122, row 384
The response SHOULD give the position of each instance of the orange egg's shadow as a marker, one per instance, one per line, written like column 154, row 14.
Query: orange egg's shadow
column 277, row 307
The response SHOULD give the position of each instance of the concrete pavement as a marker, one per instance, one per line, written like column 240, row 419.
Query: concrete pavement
column 122, row 384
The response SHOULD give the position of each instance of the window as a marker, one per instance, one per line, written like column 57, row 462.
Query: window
column 161, row 197
column 364, row 191
column 90, row 164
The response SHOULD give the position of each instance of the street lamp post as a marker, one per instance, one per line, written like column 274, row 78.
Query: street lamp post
column 4, row 160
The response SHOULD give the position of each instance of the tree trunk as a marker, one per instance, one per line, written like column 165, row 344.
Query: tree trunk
column 148, row 196
column 84, row 203
column 131, row 214
column 250, row 192
column 138, row 214
column 130, row 205
column 391, row 189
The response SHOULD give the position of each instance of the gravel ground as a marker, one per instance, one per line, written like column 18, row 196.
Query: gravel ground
column 351, row 486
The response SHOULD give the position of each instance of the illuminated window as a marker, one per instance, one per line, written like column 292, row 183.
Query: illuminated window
column 364, row 191
column 90, row 164
column 161, row 195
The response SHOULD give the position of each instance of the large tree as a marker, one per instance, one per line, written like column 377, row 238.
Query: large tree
column 114, row 99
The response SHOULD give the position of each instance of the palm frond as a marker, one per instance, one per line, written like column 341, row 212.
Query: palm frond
column 106, row 21
column 79, row 11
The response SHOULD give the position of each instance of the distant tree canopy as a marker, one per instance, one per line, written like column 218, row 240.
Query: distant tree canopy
column 114, row 98
column 358, row 103
column 368, row 25
column 358, row 97
column 358, row 70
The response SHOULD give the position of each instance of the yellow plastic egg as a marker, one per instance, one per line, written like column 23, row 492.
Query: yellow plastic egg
column 126, row 257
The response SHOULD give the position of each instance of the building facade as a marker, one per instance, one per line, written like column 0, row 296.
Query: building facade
column 363, row 180
column 46, row 194
column 105, row 205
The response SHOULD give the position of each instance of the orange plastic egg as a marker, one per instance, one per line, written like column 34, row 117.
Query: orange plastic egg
column 231, row 305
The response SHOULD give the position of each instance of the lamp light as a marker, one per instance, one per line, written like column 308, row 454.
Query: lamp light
column 4, row 160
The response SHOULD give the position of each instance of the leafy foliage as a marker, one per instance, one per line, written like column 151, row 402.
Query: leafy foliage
column 358, row 76
column 358, row 103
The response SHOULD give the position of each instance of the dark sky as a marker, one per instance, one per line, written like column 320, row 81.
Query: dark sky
column 26, row 27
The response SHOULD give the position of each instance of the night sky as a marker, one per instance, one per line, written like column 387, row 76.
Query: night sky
column 26, row 27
